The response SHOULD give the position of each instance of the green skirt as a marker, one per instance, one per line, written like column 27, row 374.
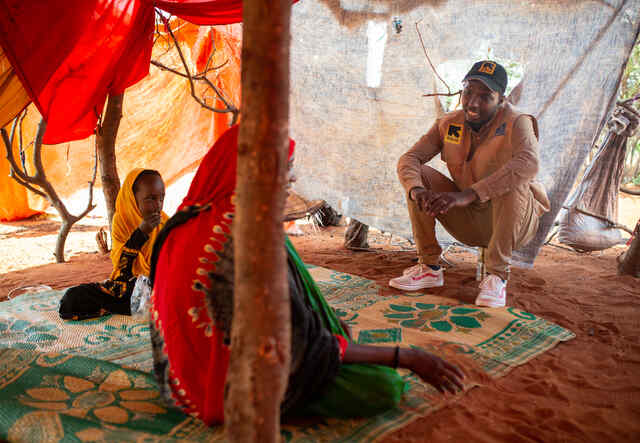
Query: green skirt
column 358, row 390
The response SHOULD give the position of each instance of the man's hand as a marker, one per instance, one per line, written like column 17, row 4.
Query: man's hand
column 421, row 196
column 437, row 372
column 435, row 203
column 441, row 202
column 149, row 222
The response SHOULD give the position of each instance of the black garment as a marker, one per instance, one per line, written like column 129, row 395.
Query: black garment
column 315, row 353
column 89, row 300
column 111, row 296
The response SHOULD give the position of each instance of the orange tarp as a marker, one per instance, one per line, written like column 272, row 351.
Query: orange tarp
column 162, row 126
column 13, row 96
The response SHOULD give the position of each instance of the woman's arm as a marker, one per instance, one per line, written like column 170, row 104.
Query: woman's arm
column 431, row 368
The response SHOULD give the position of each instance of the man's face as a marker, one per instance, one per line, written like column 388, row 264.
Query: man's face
column 150, row 195
column 479, row 103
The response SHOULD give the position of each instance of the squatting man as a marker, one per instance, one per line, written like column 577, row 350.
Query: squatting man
column 491, row 152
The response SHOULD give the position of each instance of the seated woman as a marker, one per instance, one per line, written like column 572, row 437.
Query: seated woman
column 192, row 309
column 136, row 223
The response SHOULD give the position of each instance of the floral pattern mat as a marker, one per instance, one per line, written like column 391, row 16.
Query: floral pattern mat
column 91, row 380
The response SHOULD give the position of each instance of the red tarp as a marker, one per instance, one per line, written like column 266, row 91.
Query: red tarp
column 70, row 54
column 154, row 132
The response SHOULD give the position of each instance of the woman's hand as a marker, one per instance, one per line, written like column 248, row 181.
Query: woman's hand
column 432, row 369
column 440, row 374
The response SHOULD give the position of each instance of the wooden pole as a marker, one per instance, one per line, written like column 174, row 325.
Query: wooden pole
column 260, row 342
column 106, row 146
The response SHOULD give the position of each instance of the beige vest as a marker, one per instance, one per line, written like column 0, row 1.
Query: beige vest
column 489, row 155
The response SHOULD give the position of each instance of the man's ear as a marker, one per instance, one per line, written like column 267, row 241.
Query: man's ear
column 502, row 99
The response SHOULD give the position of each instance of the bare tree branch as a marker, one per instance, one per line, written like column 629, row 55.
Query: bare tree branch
column 39, row 184
column 27, row 185
column 202, row 76
column 23, row 157
column 443, row 94
column 199, row 76
column 223, row 99
column 8, row 142
column 429, row 60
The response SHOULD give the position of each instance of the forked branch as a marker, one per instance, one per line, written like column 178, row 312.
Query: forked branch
column 38, row 182
column 202, row 76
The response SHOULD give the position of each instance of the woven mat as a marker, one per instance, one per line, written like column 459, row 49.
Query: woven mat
column 90, row 380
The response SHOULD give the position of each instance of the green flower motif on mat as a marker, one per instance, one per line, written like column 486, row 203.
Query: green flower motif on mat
column 120, row 332
column 432, row 317
column 114, row 398
column 22, row 334
column 521, row 314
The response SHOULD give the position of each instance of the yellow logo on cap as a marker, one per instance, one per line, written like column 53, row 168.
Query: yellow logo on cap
column 454, row 134
column 487, row 68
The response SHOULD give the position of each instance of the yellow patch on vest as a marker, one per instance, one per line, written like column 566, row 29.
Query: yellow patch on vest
column 454, row 134
column 487, row 68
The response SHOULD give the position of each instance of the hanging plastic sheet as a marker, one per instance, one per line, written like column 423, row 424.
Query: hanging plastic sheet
column 351, row 135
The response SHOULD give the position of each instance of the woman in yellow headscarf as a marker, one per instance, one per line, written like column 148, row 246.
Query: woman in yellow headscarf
column 136, row 223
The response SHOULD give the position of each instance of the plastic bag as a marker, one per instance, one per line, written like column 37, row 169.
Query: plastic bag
column 140, row 298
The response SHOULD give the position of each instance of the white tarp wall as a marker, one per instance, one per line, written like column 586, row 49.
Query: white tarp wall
column 357, row 86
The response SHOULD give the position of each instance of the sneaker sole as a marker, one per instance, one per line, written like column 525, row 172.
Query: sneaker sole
column 489, row 304
column 415, row 288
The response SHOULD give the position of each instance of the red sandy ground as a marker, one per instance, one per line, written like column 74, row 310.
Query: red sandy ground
column 586, row 390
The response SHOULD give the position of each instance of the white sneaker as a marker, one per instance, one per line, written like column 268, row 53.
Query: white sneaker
column 493, row 292
column 412, row 269
column 418, row 277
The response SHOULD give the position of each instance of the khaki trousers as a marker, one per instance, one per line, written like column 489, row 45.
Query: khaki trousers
column 501, row 224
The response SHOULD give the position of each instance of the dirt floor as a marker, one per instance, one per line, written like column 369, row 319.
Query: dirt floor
column 586, row 390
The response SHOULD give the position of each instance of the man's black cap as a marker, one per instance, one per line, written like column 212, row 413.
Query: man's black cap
column 492, row 74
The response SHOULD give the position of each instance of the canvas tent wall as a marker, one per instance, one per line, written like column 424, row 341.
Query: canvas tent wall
column 352, row 127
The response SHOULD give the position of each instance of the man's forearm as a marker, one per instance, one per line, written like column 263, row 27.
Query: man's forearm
column 409, row 167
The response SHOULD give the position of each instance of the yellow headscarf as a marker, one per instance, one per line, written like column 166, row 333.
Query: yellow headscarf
column 126, row 220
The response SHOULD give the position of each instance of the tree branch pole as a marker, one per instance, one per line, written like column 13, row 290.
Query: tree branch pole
column 260, row 344
column 106, row 134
